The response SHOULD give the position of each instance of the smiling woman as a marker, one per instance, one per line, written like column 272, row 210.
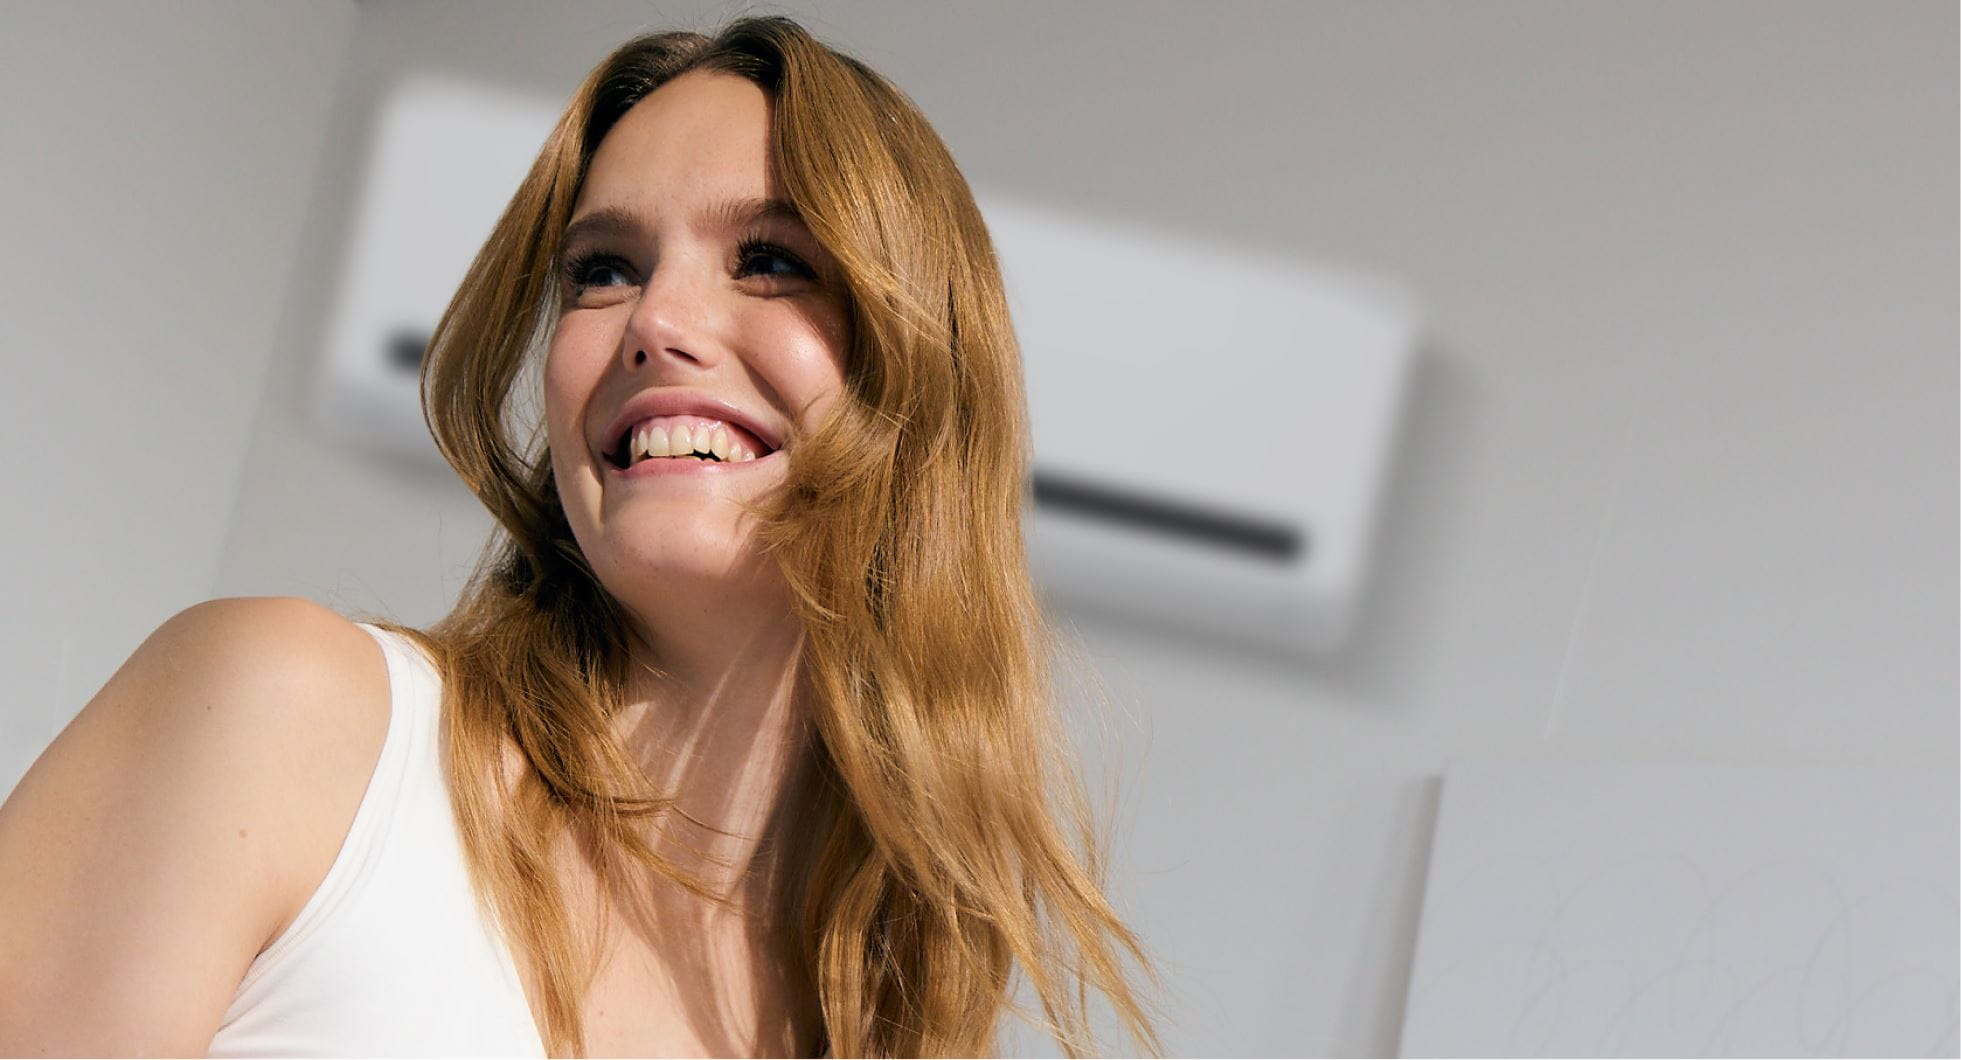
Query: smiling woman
column 739, row 741
column 759, row 239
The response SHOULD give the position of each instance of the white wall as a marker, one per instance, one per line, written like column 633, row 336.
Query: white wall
column 1680, row 479
column 159, row 161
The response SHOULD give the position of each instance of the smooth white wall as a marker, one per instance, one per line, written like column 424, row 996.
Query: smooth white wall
column 1680, row 478
column 159, row 161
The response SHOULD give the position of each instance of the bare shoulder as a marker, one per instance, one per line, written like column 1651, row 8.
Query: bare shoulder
column 179, row 821
column 285, row 654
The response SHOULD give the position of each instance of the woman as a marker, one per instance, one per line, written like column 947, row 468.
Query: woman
column 764, row 572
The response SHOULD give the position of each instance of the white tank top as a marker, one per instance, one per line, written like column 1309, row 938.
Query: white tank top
column 390, row 956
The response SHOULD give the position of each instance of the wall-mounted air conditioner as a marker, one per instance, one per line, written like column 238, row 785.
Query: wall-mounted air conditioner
column 1212, row 422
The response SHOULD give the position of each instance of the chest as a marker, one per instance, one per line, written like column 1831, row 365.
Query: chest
column 645, row 1003
column 676, row 980
column 673, row 975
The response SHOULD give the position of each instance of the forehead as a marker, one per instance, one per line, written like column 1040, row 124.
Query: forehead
column 702, row 135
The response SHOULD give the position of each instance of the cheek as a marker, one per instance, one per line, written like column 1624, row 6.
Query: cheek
column 808, row 368
column 813, row 389
column 558, row 406
column 571, row 371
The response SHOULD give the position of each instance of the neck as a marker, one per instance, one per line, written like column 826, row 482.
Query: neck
column 722, row 729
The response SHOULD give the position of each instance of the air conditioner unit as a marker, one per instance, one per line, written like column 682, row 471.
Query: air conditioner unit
column 1212, row 422
column 443, row 161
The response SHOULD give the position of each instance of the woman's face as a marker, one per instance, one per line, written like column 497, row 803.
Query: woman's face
column 698, row 315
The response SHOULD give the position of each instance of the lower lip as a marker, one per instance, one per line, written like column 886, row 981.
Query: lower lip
column 659, row 466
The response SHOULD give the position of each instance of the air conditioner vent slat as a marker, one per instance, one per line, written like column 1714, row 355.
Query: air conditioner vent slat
column 1242, row 534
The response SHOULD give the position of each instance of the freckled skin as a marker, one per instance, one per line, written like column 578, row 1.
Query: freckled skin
column 719, row 725
column 678, row 551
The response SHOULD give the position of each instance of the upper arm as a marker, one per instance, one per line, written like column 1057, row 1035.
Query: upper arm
column 178, row 822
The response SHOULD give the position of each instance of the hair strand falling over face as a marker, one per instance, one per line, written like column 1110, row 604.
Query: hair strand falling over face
column 943, row 840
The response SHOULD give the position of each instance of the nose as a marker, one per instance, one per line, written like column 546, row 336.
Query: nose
column 670, row 323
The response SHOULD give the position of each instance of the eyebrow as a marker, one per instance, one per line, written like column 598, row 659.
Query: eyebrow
column 618, row 221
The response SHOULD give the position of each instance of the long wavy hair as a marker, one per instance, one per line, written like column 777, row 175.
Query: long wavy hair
column 943, row 838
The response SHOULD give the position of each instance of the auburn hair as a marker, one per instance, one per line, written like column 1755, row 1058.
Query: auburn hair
column 944, row 839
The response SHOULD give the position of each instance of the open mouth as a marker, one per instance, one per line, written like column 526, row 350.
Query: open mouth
column 697, row 438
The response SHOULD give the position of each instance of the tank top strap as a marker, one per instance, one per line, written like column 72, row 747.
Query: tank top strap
column 368, row 832
column 393, row 954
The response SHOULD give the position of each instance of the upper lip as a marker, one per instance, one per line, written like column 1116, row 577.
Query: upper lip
column 670, row 401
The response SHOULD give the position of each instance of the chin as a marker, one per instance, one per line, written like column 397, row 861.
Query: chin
column 656, row 558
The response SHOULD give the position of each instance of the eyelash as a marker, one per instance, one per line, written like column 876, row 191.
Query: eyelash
column 752, row 245
column 579, row 267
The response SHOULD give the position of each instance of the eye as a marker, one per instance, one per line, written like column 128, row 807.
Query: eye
column 596, row 270
column 759, row 257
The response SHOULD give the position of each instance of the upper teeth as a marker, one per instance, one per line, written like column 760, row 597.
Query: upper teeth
column 704, row 439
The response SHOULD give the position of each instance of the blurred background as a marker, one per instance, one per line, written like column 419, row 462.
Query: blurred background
column 1671, row 480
